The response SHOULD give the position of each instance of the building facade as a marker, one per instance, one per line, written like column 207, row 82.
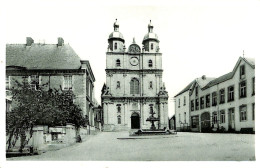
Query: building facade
column 182, row 109
column 50, row 66
column 226, row 103
column 134, row 86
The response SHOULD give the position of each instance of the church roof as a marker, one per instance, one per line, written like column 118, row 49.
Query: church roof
column 42, row 56
column 152, row 36
column 116, row 35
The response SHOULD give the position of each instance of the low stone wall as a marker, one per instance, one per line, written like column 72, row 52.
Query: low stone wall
column 53, row 138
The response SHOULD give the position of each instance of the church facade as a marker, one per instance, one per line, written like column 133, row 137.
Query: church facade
column 134, row 87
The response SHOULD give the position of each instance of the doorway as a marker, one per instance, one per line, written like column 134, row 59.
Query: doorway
column 231, row 116
column 205, row 122
column 135, row 121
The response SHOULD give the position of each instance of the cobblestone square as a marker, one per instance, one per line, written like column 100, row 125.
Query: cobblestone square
column 185, row 146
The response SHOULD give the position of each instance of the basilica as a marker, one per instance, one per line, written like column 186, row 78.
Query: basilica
column 134, row 88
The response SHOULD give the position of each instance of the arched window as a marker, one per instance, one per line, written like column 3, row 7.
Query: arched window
column 115, row 46
column 134, row 86
column 118, row 108
column 151, row 46
column 118, row 62
column 151, row 108
column 150, row 63
column 118, row 119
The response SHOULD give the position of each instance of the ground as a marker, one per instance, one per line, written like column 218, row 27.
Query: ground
column 186, row 146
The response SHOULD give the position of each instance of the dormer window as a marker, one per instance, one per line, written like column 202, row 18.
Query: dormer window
column 150, row 63
column 118, row 63
column 151, row 46
column 242, row 71
column 115, row 46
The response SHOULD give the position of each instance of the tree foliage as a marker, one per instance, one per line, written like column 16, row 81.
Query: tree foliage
column 32, row 107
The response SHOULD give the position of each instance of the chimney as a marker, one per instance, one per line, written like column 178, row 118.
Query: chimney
column 29, row 41
column 60, row 41
column 203, row 77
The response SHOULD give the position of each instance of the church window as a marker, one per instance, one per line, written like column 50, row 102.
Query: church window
column 150, row 63
column 151, row 46
column 118, row 108
column 118, row 119
column 151, row 108
column 118, row 84
column 151, row 85
column 134, row 86
column 115, row 46
column 118, row 64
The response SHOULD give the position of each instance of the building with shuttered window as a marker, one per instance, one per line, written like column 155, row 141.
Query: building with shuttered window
column 50, row 66
column 226, row 103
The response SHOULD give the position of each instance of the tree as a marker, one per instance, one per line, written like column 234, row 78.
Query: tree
column 32, row 107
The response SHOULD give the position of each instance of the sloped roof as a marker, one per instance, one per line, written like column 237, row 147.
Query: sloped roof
column 42, row 56
column 219, row 80
column 186, row 88
column 250, row 61
column 203, row 82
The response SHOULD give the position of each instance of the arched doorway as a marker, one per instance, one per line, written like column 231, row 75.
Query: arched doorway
column 135, row 121
column 205, row 122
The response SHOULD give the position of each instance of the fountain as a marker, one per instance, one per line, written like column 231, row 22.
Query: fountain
column 152, row 119
column 153, row 130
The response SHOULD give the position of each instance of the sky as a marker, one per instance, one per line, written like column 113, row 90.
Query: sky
column 196, row 37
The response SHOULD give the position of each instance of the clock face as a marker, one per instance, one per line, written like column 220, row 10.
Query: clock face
column 134, row 61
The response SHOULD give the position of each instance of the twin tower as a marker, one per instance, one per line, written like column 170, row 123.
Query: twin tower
column 134, row 87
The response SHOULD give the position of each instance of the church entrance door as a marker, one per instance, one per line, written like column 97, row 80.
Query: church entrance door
column 135, row 121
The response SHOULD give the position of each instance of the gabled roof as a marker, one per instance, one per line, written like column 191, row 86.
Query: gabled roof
column 223, row 78
column 186, row 88
column 42, row 56
column 249, row 61
column 202, row 82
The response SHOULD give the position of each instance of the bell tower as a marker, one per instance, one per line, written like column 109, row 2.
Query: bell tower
column 116, row 40
column 150, row 41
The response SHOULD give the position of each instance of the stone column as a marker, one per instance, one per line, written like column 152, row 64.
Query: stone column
column 37, row 138
column 70, row 136
column 105, row 113
column 166, row 121
column 161, row 115
column 123, row 117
